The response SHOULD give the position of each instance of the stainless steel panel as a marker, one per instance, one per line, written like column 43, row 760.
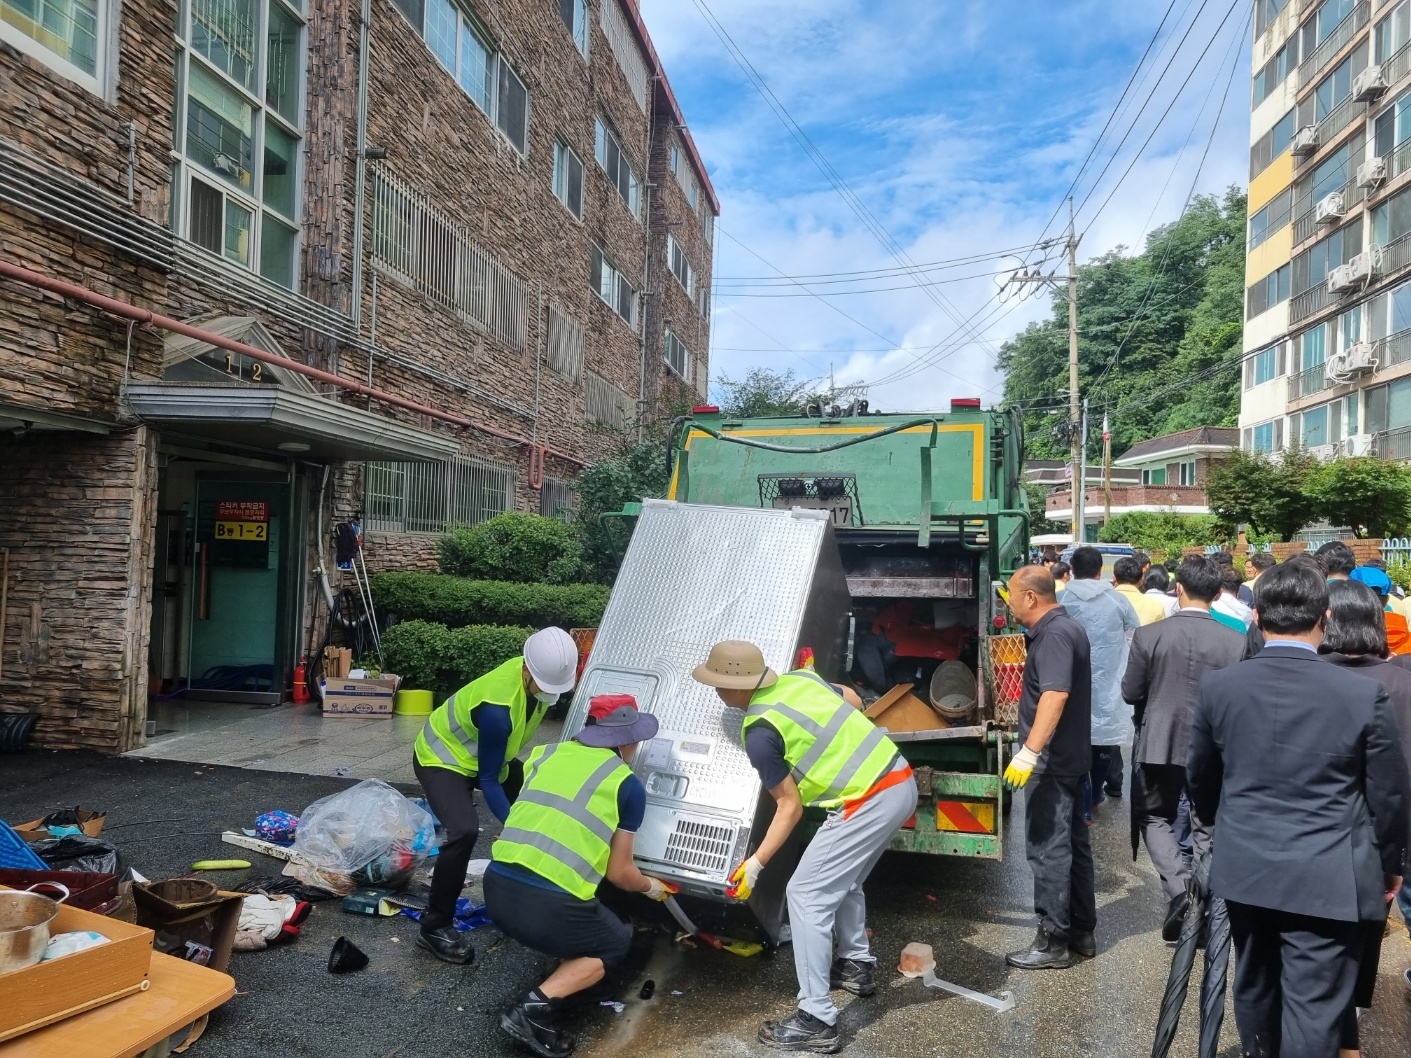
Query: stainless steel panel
column 694, row 575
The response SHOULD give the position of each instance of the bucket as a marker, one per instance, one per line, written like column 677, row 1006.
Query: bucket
column 415, row 703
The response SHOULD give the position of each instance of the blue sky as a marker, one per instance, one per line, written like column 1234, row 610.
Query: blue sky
column 960, row 127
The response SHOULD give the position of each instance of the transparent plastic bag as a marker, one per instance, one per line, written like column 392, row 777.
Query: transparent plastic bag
column 367, row 824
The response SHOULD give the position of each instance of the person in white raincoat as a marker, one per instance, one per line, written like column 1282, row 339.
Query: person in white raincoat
column 1109, row 620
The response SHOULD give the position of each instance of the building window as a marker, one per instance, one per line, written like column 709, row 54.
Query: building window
column 483, row 73
column 1330, row 16
column 1275, row 214
column 1313, row 347
column 1187, row 472
column 236, row 185
column 1267, row 437
column 612, row 286
column 605, row 404
column 558, row 499
column 1392, row 128
column 576, row 22
column 623, row 43
column 67, row 35
column 1311, row 428
column 680, row 265
column 618, row 169
column 675, row 159
column 1389, row 313
column 1272, row 144
column 708, row 225
column 1392, row 219
column 426, row 497
column 677, row 356
column 1155, row 476
column 1311, row 267
column 1392, row 33
column 1351, row 414
column 563, row 350
column 1265, row 11
column 1276, row 70
column 1332, row 90
column 1265, row 293
column 704, row 300
column 1263, row 366
column 568, row 178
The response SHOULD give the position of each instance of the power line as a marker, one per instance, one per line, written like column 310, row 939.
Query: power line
column 881, row 273
column 807, row 291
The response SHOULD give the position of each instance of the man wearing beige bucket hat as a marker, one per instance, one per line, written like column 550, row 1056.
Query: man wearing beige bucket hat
column 811, row 746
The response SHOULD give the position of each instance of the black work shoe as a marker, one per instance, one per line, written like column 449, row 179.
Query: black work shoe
column 801, row 1031
column 1082, row 944
column 446, row 943
column 852, row 975
column 1045, row 953
column 1114, row 792
column 1175, row 917
column 529, row 1023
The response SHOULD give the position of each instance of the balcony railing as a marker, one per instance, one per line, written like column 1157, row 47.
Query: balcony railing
column 1398, row 65
column 1393, row 444
column 1306, row 226
column 1314, row 299
column 1307, row 382
column 1396, row 255
column 1333, row 43
column 1394, row 349
column 1155, row 496
column 1337, row 119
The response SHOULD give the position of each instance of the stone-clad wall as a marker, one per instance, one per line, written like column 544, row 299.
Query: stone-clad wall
column 76, row 519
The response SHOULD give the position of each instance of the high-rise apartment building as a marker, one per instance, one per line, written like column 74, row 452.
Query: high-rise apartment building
column 1327, row 337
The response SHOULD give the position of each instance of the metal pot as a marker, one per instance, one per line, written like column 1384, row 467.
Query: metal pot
column 24, row 928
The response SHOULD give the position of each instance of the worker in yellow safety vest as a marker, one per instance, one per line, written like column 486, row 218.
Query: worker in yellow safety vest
column 812, row 746
column 573, row 825
column 471, row 742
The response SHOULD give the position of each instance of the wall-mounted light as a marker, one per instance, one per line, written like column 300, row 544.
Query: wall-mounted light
column 374, row 153
column 293, row 447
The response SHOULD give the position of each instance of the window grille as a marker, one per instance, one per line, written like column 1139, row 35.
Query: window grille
column 606, row 403
column 624, row 46
column 564, row 347
column 558, row 499
column 426, row 497
column 431, row 251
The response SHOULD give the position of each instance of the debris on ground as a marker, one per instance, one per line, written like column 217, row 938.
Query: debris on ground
column 346, row 957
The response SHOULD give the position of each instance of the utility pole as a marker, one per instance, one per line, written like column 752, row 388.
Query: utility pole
column 1080, row 509
column 1106, row 471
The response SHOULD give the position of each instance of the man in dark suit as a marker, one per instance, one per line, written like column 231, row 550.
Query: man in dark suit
column 1298, row 765
column 1164, row 667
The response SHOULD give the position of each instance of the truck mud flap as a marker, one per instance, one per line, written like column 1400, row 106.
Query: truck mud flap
column 960, row 816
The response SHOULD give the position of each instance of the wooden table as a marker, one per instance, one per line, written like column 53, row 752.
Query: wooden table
column 180, row 993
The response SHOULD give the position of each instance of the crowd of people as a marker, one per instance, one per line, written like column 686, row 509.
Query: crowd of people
column 1270, row 725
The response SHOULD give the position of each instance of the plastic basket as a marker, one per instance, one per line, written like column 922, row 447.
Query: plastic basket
column 15, row 854
column 1003, row 660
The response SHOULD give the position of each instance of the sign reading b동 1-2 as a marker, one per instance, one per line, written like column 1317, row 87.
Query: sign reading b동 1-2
column 242, row 520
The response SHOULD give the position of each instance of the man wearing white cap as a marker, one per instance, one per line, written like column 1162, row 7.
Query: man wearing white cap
column 471, row 742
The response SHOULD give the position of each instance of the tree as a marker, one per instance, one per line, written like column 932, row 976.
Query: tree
column 1038, row 524
column 634, row 473
column 763, row 392
column 1162, row 530
column 1272, row 496
column 1371, row 495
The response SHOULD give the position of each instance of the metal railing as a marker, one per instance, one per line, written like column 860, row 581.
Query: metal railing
column 1396, row 549
column 1314, row 299
column 1306, row 226
column 1394, row 349
column 563, row 349
column 1398, row 65
column 1337, row 119
column 432, row 252
column 623, row 43
column 1333, row 43
column 1395, row 256
column 426, row 497
column 1308, row 381
column 1392, row 444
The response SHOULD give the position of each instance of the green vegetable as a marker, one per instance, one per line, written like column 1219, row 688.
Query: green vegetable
column 219, row 865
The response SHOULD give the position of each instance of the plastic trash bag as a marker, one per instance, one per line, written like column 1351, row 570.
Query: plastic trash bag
column 78, row 853
column 368, row 826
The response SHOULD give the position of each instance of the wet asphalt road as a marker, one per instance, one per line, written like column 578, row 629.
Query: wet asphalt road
column 408, row 1005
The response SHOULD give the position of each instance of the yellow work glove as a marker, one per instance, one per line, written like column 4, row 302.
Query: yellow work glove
column 744, row 879
column 660, row 890
column 1021, row 766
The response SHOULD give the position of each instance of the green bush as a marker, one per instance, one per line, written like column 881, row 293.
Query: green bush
column 524, row 548
column 432, row 657
column 1399, row 570
column 457, row 602
column 1148, row 530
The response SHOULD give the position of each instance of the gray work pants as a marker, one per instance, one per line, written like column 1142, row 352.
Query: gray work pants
column 825, row 893
column 1158, row 808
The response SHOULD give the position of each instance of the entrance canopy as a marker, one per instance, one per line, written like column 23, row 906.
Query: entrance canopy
column 209, row 392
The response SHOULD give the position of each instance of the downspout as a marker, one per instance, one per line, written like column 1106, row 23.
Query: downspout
column 647, row 186
column 126, row 310
column 360, row 175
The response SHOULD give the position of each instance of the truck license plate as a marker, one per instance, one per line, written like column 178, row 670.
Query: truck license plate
column 840, row 509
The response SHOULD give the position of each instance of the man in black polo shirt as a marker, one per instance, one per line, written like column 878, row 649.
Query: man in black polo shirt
column 1053, row 759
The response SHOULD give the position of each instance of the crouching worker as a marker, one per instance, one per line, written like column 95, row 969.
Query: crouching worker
column 471, row 742
column 811, row 746
column 572, row 826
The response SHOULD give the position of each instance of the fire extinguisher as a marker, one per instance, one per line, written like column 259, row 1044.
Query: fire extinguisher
column 301, row 684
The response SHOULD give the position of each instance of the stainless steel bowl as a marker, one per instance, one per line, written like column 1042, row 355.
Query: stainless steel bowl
column 24, row 928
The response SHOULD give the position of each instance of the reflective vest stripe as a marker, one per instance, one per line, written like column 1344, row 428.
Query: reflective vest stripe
column 853, row 765
column 571, row 808
column 536, row 762
column 440, row 749
column 449, row 738
column 556, row 849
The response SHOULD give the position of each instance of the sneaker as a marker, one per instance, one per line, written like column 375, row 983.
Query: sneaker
column 529, row 1023
column 801, row 1031
column 852, row 975
column 1045, row 953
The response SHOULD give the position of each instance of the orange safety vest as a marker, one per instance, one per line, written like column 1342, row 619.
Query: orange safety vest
column 1398, row 633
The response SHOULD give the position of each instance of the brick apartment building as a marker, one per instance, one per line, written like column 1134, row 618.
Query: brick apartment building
column 419, row 259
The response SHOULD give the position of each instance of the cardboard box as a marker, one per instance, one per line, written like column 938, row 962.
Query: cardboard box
column 367, row 698
column 211, row 924
column 337, row 662
column 899, row 710
column 89, row 821
column 51, row 991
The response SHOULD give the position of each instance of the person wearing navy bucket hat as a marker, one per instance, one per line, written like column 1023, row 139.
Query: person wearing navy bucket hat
column 572, row 826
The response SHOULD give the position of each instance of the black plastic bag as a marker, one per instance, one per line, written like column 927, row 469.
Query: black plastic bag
column 76, row 853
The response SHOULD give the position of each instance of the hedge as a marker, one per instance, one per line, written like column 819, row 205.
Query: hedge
column 525, row 548
column 432, row 657
column 457, row 601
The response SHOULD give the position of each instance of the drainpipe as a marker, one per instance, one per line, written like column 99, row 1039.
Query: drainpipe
column 128, row 311
column 360, row 175
column 647, row 187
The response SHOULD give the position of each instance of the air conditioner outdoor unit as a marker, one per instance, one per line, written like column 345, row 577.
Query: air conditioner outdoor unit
column 1323, row 453
column 1335, row 369
column 1305, row 140
column 1358, row 444
column 1360, row 356
column 1340, row 279
column 1330, row 207
column 1365, row 265
column 1369, row 84
column 1372, row 173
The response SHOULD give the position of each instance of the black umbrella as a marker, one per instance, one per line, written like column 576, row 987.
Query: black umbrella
column 1212, row 985
column 1178, row 982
